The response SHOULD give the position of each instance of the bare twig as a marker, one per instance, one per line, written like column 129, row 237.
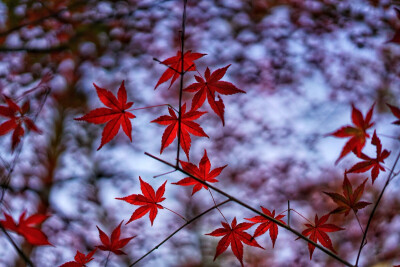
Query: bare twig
column 243, row 204
column 181, row 80
column 374, row 209
column 19, row 251
column 180, row 228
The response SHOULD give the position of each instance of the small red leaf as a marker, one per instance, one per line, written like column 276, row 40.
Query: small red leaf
column 317, row 232
column 234, row 235
column 25, row 227
column 187, row 126
column 209, row 87
column 113, row 244
column 148, row 201
column 357, row 134
column 116, row 115
column 349, row 200
column 266, row 224
column 202, row 172
column 175, row 64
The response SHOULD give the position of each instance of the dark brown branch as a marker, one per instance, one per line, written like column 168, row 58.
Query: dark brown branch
column 181, row 80
column 33, row 50
column 241, row 203
column 180, row 228
column 19, row 251
column 374, row 209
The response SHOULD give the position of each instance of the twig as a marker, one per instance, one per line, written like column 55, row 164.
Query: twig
column 180, row 228
column 19, row 251
column 181, row 81
column 241, row 203
column 374, row 209
column 33, row 50
column 108, row 257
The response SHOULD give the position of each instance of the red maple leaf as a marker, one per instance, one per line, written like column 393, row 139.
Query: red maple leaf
column 175, row 64
column 318, row 232
column 202, row 172
column 25, row 228
column 396, row 112
column 80, row 259
column 358, row 133
column 234, row 235
column 113, row 244
column 187, row 126
column 370, row 163
column 349, row 200
column 115, row 115
column 16, row 116
column 209, row 87
column 266, row 224
column 148, row 201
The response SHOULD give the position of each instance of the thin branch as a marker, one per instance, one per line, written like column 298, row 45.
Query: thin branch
column 180, row 228
column 374, row 209
column 19, row 251
column 108, row 257
column 288, row 214
column 241, row 203
column 34, row 50
column 181, row 81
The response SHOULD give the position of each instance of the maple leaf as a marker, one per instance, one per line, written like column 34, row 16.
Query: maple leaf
column 115, row 115
column 266, row 224
column 16, row 117
column 148, row 201
column 209, row 87
column 318, row 232
column 396, row 112
column 358, row 133
column 80, row 259
column 349, row 200
column 113, row 244
column 187, row 126
column 175, row 64
column 202, row 172
column 370, row 163
column 25, row 228
column 234, row 235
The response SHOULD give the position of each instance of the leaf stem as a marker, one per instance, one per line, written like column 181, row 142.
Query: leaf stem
column 180, row 228
column 298, row 213
column 243, row 204
column 215, row 205
column 165, row 173
column 132, row 109
column 174, row 212
column 375, row 207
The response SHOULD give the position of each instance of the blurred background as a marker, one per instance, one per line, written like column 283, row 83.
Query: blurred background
column 301, row 62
